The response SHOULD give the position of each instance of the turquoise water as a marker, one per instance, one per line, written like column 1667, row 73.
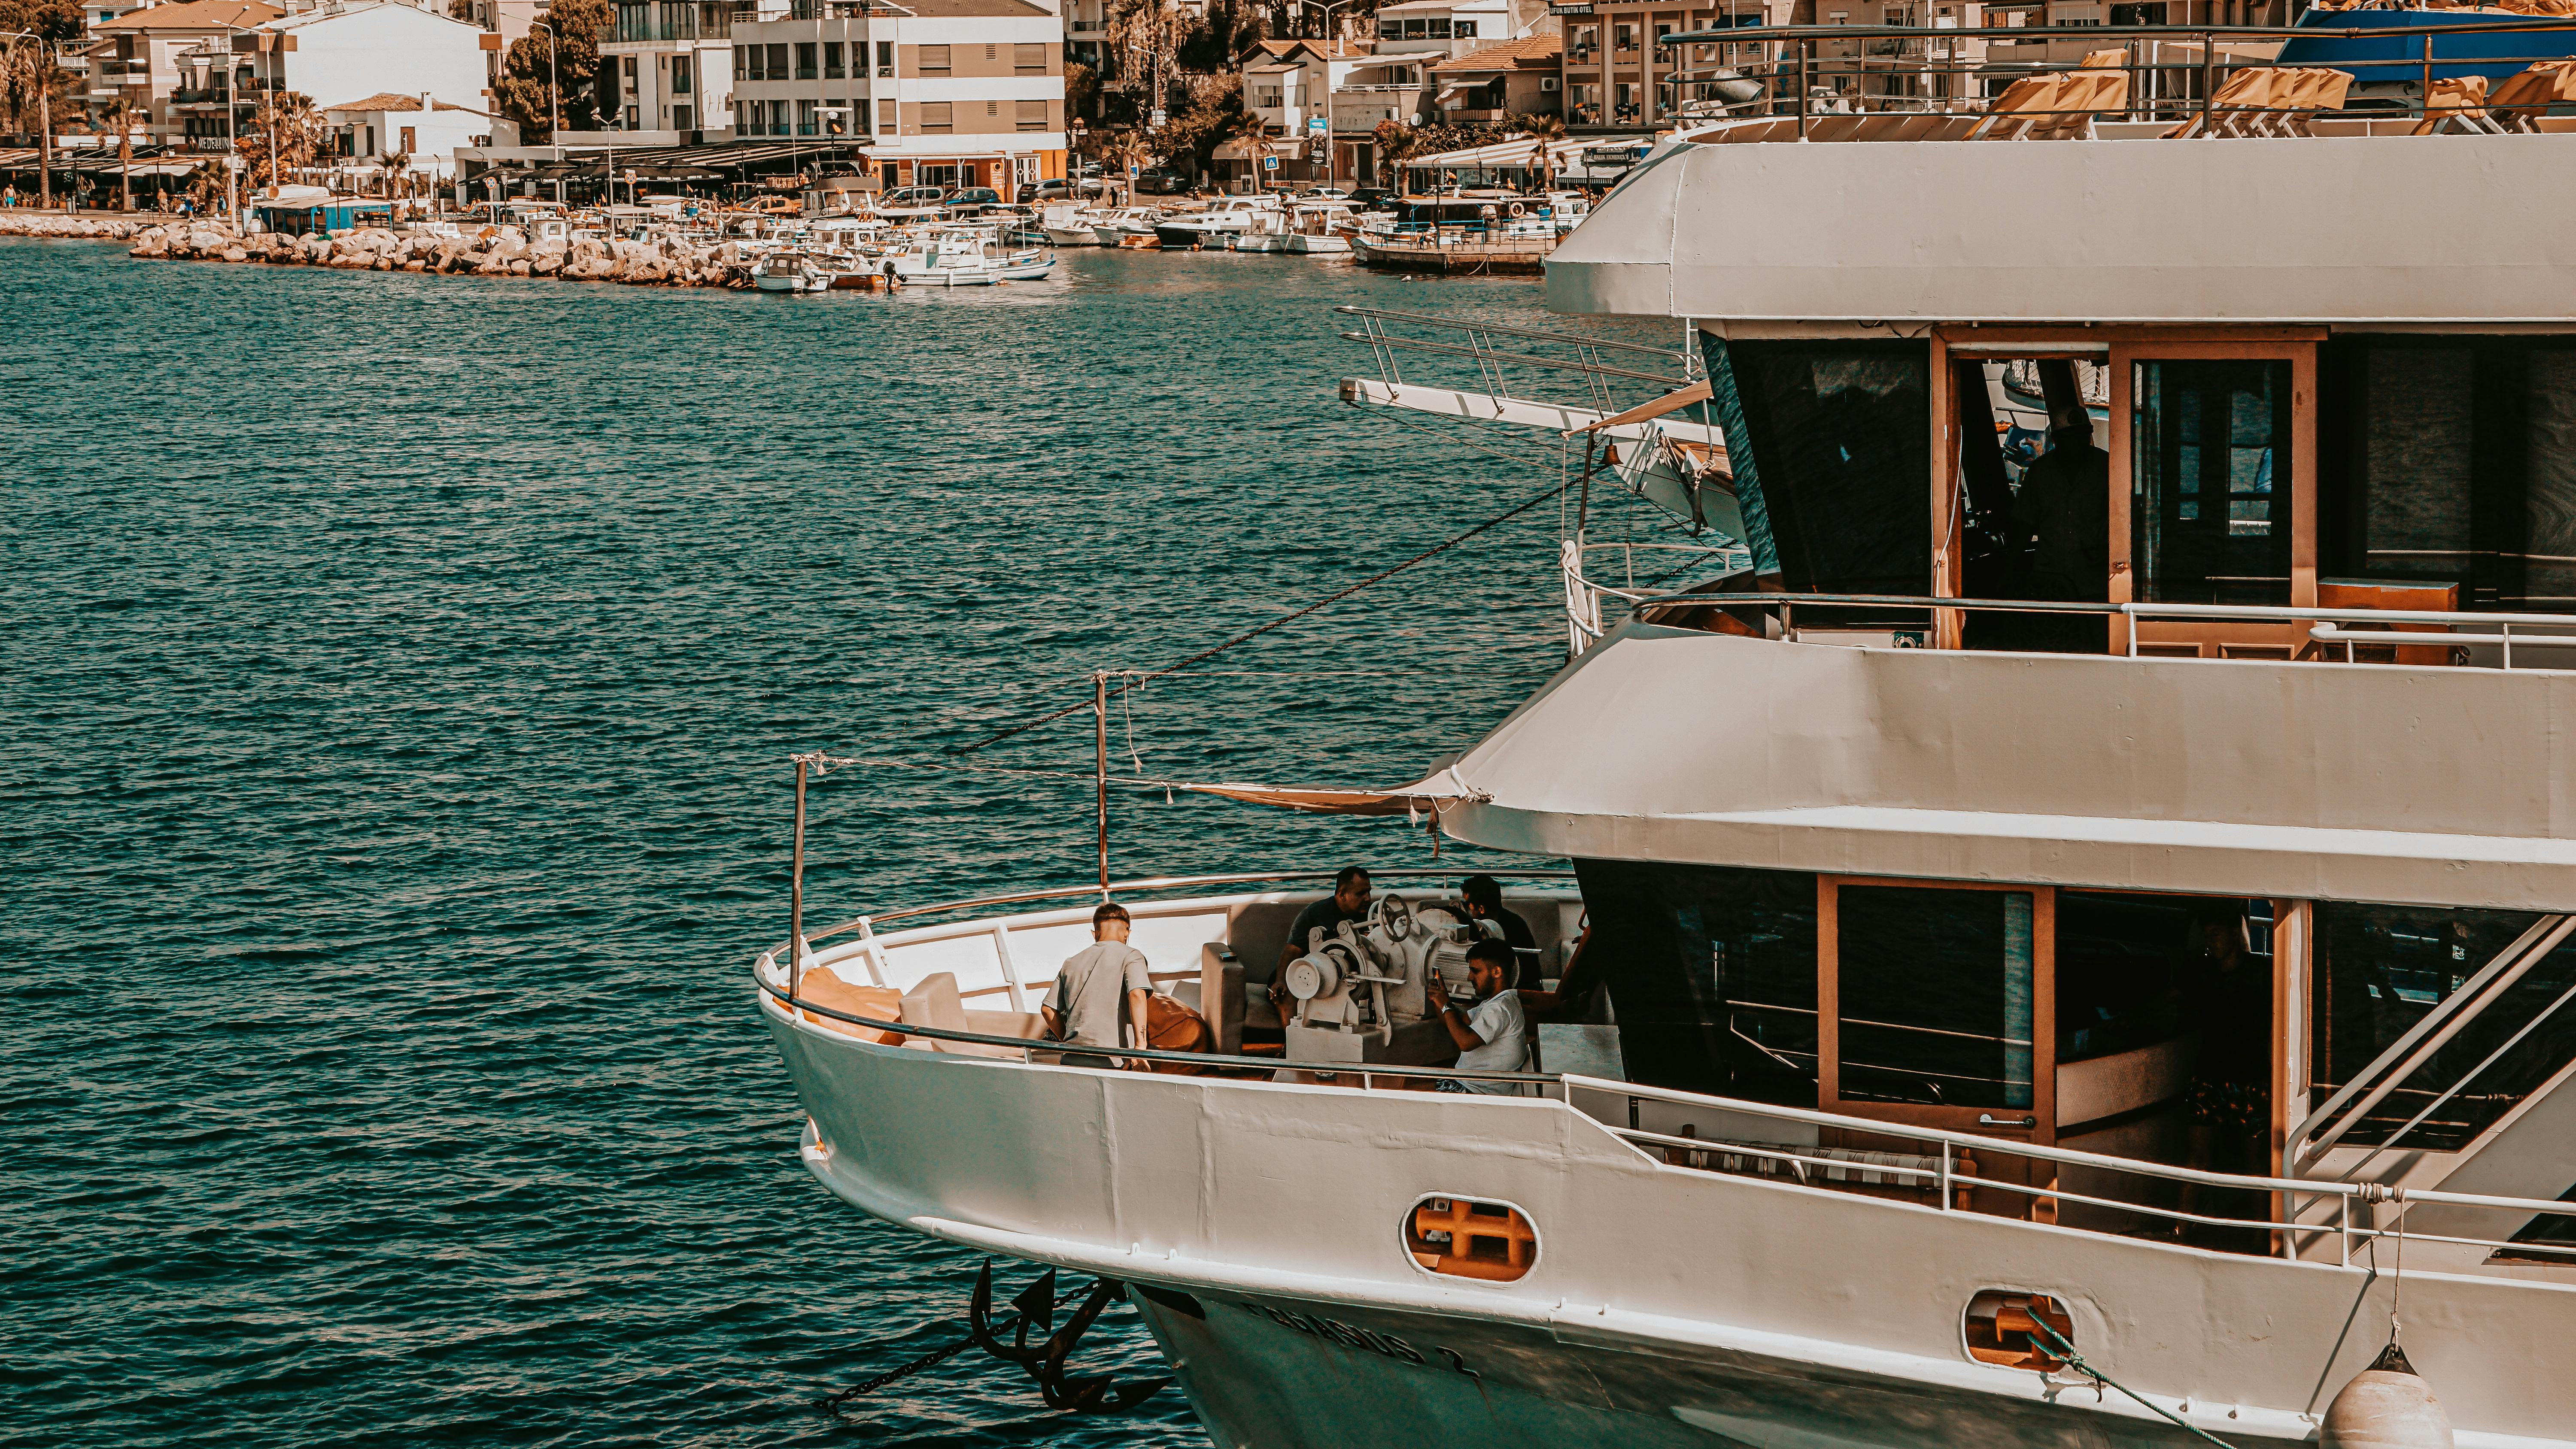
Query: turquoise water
column 400, row 675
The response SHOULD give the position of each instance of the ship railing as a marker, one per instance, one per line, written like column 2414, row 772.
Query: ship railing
column 1587, row 599
column 1606, row 375
column 2489, row 639
column 1955, row 1161
column 1947, row 1175
column 2176, row 74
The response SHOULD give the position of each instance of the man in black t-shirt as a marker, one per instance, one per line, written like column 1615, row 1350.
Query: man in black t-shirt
column 1348, row 902
column 1484, row 897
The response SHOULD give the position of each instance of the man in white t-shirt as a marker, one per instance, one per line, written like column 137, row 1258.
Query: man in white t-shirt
column 1493, row 1034
column 1086, row 1004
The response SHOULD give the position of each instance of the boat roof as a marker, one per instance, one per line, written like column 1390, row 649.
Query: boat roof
column 2351, row 228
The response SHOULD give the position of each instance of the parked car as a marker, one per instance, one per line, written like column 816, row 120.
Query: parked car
column 1159, row 182
column 910, row 200
column 971, row 200
column 1371, row 198
column 1058, row 189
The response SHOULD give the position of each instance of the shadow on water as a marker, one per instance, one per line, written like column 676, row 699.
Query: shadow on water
column 401, row 674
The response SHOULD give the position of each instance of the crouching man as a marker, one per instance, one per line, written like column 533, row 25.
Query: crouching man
column 1088, row 1004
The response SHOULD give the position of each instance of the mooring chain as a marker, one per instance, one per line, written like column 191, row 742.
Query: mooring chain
column 1008, row 1341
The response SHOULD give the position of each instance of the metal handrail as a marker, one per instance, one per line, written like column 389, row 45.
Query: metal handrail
column 1497, row 330
column 1415, row 344
column 1149, row 883
column 2367, row 1192
column 1027, row 1046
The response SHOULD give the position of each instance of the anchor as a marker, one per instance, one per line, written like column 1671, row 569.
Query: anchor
column 1045, row 1362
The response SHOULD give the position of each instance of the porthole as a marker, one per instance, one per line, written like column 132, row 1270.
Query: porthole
column 1459, row 1237
column 2002, row 1327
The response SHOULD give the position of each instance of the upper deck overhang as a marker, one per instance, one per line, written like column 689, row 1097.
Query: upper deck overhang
column 2448, row 787
column 2446, row 230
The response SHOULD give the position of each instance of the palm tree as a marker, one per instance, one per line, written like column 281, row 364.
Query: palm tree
column 1254, row 133
column 121, row 116
column 290, row 130
column 1542, row 131
column 34, row 81
column 397, row 165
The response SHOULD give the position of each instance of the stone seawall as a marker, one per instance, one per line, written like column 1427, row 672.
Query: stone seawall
column 491, row 251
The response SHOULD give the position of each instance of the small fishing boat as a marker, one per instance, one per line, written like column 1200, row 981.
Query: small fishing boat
column 967, row 259
column 1212, row 229
column 790, row 270
column 1126, row 225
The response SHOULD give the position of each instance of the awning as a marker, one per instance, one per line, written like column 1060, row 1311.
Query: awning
column 1431, row 795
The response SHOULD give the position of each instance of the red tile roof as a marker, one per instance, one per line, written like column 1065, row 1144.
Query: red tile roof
column 1537, row 52
column 194, row 15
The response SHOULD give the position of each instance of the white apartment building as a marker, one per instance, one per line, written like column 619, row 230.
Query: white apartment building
column 931, row 92
column 1086, row 34
column 144, row 57
column 428, row 129
column 339, row 50
column 675, row 71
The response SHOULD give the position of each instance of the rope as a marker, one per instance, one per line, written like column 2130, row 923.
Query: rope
column 2075, row 1361
column 935, row 1356
column 1257, row 631
column 825, row 764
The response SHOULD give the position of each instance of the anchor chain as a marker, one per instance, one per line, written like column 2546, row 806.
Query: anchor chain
column 1044, row 1361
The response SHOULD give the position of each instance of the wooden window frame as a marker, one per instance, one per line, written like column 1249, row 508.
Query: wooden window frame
column 2043, row 1033
column 2118, row 348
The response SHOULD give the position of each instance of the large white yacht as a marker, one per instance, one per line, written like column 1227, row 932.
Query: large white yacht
column 2075, row 955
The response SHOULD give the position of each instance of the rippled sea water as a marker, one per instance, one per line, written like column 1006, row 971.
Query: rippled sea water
column 400, row 678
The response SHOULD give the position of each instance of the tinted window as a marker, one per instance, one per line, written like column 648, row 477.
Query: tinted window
column 2210, row 503
column 1711, row 973
column 1935, row 995
column 1838, row 438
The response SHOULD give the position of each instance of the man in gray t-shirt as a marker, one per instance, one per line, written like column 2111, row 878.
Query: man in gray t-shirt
column 1087, row 1004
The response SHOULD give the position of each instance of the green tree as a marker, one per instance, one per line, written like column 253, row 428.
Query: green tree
column 1081, row 90
column 122, row 116
column 57, row 22
column 526, row 89
column 284, row 138
column 1542, row 132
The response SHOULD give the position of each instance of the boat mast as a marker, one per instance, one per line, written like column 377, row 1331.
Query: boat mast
column 1099, row 768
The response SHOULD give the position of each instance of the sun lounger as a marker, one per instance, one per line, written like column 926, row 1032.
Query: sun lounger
column 2521, row 99
column 2025, row 103
column 2456, row 100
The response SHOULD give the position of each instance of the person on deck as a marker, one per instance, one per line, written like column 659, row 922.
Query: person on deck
column 1493, row 1035
column 2061, row 524
column 1087, row 1004
column 1348, row 902
column 1484, row 897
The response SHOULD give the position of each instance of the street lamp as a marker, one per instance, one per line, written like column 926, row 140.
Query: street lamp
column 554, row 102
column 1332, row 162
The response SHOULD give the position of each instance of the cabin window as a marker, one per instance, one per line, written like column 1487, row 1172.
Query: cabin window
column 2209, row 511
column 1936, row 995
column 1712, row 971
column 1837, row 436
column 2378, row 970
column 2416, row 445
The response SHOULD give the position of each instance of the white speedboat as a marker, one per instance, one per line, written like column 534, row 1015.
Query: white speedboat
column 962, row 259
column 790, row 269
column 1124, row 226
column 2082, row 974
column 1212, row 228
column 1303, row 228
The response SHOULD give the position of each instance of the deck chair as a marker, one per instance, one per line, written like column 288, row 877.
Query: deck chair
column 2086, row 94
column 1835, row 128
column 2024, row 104
column 2455, row 99
column 2238, row 99
column 2115, row 59
column 2324, row 92
column 2523, row 98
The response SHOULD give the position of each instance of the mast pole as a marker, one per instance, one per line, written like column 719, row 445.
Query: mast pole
column 1100, row 766
column 796, row 890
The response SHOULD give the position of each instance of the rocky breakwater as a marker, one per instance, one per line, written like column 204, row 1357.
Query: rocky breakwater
column 491, row 252
column 92, row 228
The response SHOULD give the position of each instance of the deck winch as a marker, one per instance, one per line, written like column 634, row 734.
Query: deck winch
column 1371, row 991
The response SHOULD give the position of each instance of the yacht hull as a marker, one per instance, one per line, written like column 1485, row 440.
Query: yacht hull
column 1666, row 1304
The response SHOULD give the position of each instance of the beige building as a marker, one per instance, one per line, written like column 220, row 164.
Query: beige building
column 1516, row 78
column 934, row 92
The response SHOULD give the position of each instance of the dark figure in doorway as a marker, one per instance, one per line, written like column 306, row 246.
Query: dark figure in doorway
column 2228, row 990
column 2062, row 534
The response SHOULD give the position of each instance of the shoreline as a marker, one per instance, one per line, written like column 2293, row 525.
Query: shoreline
column 492, row 251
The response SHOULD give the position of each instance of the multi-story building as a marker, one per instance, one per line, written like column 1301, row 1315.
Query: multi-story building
column 333, row 50
column 674, row 61
column 175, row 64
column 928, row 92
column 426, row 129
column 1086, row 34
column 1522, row 77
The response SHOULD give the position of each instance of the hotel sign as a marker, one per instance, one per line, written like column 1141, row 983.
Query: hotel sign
column 1569, row 9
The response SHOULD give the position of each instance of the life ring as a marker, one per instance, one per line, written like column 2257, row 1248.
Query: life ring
column 1515, row 208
